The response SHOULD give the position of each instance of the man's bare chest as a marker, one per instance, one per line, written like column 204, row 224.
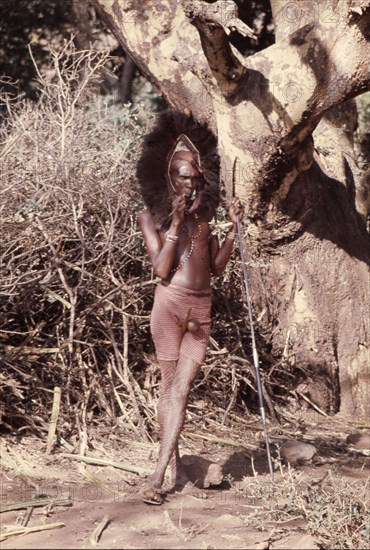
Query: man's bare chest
column 192, row 235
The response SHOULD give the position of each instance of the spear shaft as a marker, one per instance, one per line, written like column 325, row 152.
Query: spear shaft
column 254, row 350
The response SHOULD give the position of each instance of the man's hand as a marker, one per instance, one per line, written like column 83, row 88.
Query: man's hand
column 178, row 209
column 221, row 255
column 236, row 209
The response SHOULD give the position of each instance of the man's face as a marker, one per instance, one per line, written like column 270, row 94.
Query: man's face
column 185, row 176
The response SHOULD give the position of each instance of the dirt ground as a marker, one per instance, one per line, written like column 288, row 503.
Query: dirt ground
column 245, row 511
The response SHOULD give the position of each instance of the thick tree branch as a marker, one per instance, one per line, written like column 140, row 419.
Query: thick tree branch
column 223, row 13
column 315, row 68
column 214, row 22
column 153, row 34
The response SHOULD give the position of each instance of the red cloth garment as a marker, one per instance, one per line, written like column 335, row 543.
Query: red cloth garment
column 170, row 311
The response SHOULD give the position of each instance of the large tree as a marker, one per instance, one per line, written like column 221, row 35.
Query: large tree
column 285, row 120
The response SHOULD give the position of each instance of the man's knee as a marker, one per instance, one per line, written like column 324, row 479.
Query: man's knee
column 187, row 368
column 186, row 372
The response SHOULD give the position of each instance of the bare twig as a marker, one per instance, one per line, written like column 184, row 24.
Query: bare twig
column 37, row 503
column 102, row 462
column 96, row 534
column 34, row 529
column 54, row 419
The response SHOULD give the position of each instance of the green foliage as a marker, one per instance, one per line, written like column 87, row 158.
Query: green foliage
column 363, row 106
column 257, row 15
column 35, row 22
column 362, row 134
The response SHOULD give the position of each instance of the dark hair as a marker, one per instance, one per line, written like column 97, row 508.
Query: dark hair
column 152, row 165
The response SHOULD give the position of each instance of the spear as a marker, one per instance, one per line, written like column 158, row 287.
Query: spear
column 254, row 349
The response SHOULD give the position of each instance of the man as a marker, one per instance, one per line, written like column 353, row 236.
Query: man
column 184, row 256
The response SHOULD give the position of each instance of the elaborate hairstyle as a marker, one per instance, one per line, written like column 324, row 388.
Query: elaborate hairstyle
column 174, row 131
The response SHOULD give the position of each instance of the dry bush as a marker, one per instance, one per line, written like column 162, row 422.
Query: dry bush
column 335, row 511
column 71, row 254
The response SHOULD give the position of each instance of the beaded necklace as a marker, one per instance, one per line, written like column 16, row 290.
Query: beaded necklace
column 192, row 238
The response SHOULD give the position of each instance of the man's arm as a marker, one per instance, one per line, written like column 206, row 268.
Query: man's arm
column 162, row 255
column 219, row 256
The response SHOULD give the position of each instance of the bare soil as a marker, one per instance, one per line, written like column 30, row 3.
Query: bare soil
column 226, row 516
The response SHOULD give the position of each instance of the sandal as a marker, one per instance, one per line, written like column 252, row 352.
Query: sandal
column 152, row 495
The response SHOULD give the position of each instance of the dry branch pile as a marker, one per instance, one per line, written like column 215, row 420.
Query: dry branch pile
column 76, row 285
column 71, row 254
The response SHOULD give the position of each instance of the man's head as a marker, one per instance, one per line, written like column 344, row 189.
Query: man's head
column 184, row 175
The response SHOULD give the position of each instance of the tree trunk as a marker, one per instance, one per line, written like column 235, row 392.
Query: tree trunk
column 126, row 80
column 285, row 138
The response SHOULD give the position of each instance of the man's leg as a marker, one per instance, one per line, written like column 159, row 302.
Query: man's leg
column 183, row 378
column 151, row 491
column 163, row 411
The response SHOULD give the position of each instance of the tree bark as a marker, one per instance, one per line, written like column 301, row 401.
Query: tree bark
column 126, row 80
column 284, row 121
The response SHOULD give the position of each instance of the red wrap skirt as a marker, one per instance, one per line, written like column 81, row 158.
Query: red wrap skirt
column 173, row 306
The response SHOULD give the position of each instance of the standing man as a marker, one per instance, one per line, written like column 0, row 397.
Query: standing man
column 181, row 194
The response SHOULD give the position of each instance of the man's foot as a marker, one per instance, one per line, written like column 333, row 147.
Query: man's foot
column 151, row 494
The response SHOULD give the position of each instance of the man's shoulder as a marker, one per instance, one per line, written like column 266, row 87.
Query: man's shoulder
column 146, row 220
column 144, row 214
